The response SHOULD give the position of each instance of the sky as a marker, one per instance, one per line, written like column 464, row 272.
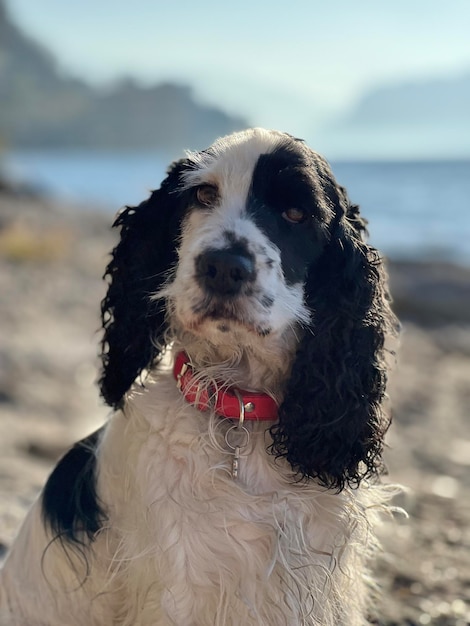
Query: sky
column 282, row 64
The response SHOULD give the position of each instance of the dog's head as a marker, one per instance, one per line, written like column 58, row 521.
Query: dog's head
column 243, row 245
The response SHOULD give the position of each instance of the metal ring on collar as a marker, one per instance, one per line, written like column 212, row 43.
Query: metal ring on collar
column 237, row 430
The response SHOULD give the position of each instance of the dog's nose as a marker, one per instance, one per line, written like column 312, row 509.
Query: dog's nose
column 223, row 271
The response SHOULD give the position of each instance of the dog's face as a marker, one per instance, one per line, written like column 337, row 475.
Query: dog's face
column 255, row 221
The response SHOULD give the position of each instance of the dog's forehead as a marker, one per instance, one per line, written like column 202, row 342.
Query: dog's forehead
column 230, row 162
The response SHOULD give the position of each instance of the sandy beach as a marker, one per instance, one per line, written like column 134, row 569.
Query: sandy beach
column 51, row 262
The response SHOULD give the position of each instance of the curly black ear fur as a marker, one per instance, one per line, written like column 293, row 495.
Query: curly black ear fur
column 332, row 421
column 133, row 324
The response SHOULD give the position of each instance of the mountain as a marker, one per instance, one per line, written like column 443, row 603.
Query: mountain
column 434, row 101
column 42, row 107
column 420, row 119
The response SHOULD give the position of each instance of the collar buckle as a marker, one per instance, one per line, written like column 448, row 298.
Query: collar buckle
column 180, row 375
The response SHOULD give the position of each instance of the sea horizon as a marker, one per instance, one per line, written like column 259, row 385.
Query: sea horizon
column 416, row 209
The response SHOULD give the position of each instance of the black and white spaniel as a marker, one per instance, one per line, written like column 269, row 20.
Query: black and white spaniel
column 244, row 354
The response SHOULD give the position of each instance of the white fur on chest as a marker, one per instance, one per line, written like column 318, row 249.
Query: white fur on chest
column 196, row 546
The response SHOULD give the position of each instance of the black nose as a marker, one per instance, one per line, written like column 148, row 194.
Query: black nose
column 224, row 272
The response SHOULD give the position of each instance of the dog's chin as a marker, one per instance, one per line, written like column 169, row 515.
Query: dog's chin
column 223, row 330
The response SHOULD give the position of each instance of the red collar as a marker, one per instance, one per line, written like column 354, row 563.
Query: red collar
column 226, row 402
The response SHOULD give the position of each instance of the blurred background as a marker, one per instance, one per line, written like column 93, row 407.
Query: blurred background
column 97, row 97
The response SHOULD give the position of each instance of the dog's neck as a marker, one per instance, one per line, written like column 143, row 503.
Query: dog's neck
column 261, row 365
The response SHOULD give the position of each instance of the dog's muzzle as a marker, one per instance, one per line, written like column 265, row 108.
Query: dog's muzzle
column 224, row 272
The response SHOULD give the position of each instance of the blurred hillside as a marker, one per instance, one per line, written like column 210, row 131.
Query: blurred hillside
column 42, row 107
column 427, row 101
column 428, row 118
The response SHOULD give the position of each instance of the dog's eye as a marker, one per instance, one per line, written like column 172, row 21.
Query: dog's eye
column 294, row 215
column 207, row 195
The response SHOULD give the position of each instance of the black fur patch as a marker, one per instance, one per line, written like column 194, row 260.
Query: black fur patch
column 134, row 324
column 70, row 505
column 284, row 179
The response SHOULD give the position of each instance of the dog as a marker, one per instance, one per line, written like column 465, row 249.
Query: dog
column 245, row 357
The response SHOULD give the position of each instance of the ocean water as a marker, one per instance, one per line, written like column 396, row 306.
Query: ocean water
column 415, row 210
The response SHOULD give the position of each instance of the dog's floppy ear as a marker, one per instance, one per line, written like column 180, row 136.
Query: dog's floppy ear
column 332, row 421
column 133, row 323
